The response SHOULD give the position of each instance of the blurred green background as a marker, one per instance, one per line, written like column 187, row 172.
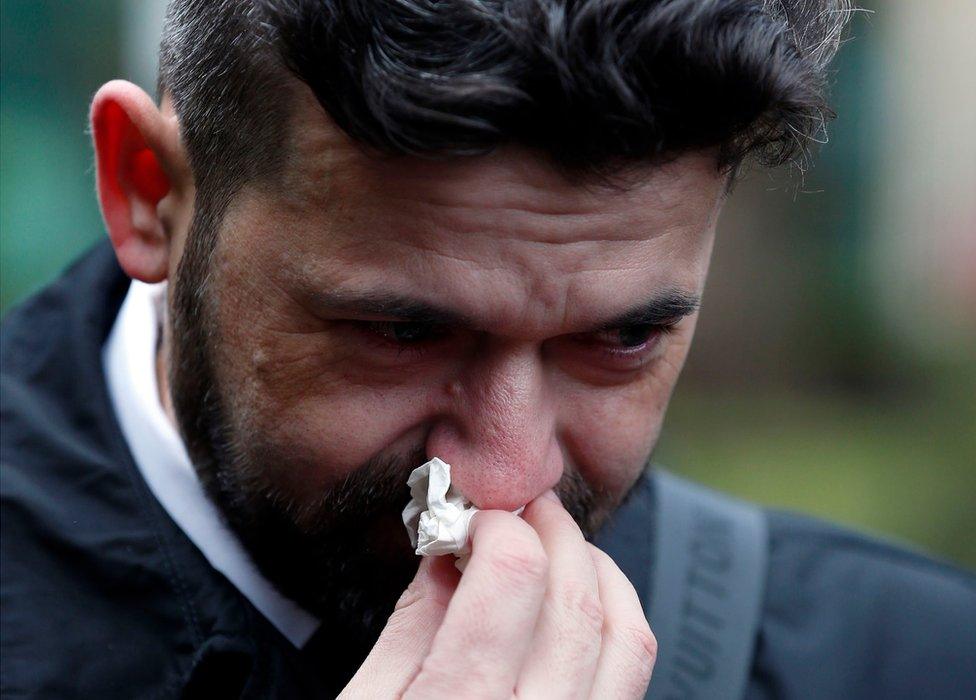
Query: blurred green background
column 834, row 367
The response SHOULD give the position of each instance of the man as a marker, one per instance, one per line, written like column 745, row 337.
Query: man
column 365, row 234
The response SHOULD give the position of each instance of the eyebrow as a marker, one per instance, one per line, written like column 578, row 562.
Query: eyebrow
column 401, row 308
column 663, row 307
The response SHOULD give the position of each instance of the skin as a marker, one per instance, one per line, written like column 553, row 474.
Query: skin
column 524, row 383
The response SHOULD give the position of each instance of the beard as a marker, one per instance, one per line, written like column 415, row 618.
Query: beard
column 342, row 554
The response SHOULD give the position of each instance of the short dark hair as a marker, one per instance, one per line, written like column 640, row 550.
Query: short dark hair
column 592, row 84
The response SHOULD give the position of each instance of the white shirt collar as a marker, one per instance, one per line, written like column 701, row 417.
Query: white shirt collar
column 129, row 359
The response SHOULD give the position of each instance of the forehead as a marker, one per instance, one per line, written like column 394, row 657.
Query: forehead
column 323, row 162
column 505, row 227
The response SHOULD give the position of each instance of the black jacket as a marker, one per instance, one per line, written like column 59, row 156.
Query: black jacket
column 103, row 595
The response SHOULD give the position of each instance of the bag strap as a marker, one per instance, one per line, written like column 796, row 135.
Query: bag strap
column 706, row 590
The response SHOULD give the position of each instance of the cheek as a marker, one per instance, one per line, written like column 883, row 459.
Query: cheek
column 610, row 432
column 317, row 421
column 301, row 410
column 320, row 438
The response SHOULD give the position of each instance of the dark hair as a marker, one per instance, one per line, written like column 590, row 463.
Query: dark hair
column 591, row 83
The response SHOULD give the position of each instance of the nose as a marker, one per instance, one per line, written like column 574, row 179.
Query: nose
column 499, row 435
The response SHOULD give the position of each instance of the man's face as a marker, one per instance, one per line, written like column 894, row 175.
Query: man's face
column 375, row 312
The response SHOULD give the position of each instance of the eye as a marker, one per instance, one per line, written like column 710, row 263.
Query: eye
column 628, row 337
column 620, row 351
column 406, row 333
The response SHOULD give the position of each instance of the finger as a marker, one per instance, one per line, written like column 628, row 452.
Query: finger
column 629, row 648
column 405, row 641
column 486, row 632
column 567, row 640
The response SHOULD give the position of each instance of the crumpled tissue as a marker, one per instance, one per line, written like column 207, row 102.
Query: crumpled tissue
column 438, row 515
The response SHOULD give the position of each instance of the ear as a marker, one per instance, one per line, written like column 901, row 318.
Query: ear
column 139, row 162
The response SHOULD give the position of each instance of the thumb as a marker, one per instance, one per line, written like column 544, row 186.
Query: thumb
column 404, row 643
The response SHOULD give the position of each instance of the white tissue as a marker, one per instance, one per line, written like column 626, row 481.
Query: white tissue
column 438, row 516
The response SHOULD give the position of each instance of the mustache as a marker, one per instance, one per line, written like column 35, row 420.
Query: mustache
column 378, row 487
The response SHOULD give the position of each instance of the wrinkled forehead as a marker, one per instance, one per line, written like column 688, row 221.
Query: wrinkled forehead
column 505, row 227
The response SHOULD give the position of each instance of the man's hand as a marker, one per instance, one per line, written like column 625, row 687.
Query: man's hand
column 538, row 613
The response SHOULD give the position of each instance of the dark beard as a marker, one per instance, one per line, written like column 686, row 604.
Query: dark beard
column 315, row 552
